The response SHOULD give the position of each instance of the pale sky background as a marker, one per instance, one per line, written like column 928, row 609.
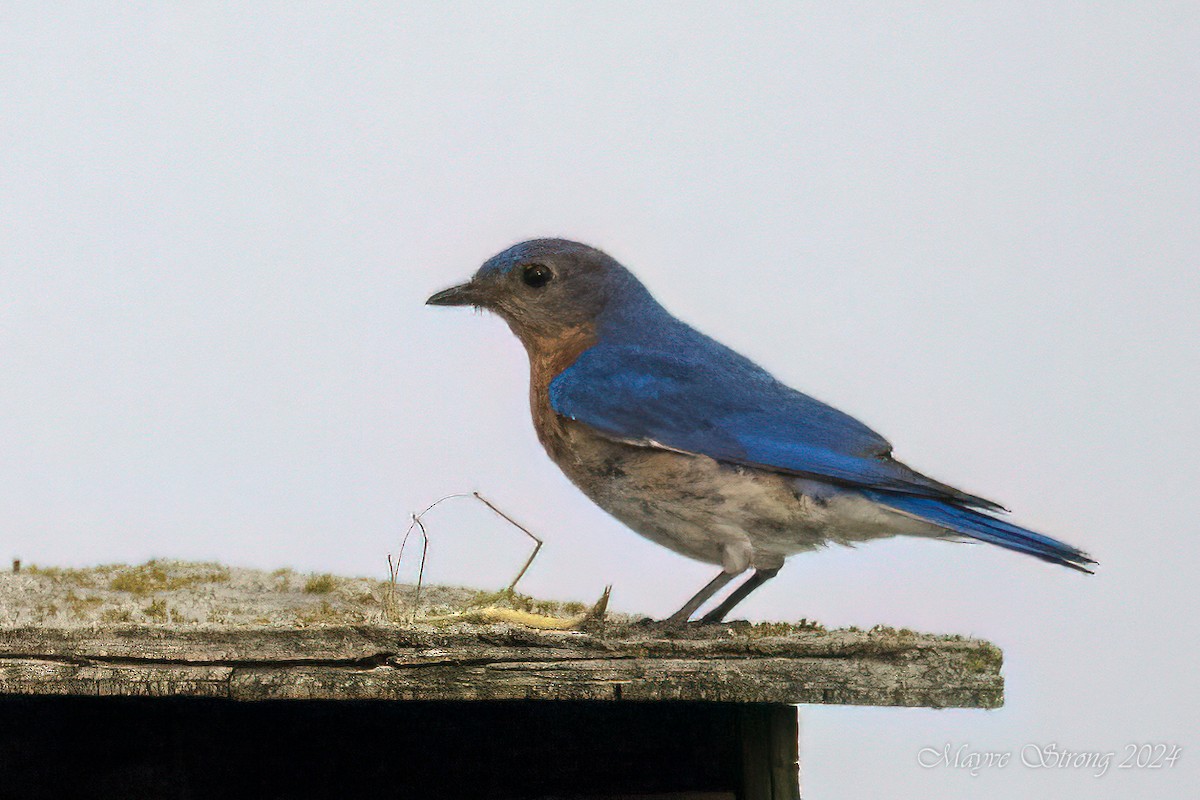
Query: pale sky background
column 974, row 226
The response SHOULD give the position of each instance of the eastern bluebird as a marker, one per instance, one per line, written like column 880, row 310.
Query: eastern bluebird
column 696, row 447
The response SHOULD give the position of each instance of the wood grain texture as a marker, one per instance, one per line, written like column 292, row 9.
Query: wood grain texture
column 500, row 662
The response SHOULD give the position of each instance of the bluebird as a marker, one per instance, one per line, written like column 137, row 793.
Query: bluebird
column 696, row 447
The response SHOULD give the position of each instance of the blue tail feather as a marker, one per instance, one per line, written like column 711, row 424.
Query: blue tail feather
column 986, row 528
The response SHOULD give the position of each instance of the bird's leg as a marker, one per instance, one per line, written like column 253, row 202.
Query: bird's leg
column 739, row 594
column 684, row 614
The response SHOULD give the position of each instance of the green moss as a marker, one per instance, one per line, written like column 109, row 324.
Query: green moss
column 505, row 598
column 152, row 577
column 320, row 584
column 179, row 619
column 116, row 615
column 550, row 608
column 986, row 658
column 157, row 610
column 224, row 614
column 328, row 614
column 78, row 577
column 758, row 630
column 547, row 608
column 81, row 607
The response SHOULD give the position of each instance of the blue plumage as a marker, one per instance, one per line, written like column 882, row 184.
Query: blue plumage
column 696, row 446
column 986, row 528
column 710, row 401
column 665, row 383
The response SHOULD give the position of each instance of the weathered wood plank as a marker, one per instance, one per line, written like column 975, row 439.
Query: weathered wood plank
column 498, row 662
column 770, row 737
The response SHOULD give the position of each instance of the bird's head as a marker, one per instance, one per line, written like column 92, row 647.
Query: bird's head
column 544, row 288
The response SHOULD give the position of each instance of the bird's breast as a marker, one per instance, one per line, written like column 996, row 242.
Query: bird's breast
column 548, row 357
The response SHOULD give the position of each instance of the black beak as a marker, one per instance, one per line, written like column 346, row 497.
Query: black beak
column 464, row 294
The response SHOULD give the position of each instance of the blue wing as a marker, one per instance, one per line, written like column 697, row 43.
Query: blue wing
column 700, row 397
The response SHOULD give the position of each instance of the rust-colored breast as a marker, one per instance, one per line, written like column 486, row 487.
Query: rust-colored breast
column 547, row 358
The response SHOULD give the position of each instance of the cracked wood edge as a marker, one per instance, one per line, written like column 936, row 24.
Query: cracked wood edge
column 501, row 663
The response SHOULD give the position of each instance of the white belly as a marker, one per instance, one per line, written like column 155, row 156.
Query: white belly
column 732, row 516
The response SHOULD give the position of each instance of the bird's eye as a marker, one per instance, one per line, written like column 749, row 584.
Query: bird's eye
column 536, row 275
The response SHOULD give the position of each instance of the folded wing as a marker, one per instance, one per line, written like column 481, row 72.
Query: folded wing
column 708, row 400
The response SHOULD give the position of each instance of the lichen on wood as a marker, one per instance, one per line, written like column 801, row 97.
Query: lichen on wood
column 93, row 632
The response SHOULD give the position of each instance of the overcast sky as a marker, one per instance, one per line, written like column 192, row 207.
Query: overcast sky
column 973, row 226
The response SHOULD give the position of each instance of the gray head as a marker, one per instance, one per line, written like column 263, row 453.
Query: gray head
column 545, row 288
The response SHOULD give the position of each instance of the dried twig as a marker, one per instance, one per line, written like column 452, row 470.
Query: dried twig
column 512, row 586
column 418, row 524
